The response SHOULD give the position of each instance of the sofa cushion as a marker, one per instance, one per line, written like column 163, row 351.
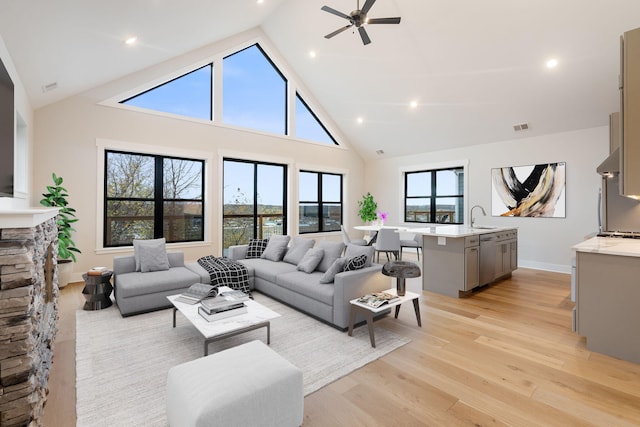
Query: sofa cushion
column 332, row 251
column 154, row 253
column 256, row 247
column 355, row 263
column 307, row 285
column 265, row 269
column 137, row 283
column 337, row 267
column 297, row 250
column 354, row 250
column 276, row 248
column 311, row 260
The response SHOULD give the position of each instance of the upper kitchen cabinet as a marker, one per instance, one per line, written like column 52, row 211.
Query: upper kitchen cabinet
column 630, row 113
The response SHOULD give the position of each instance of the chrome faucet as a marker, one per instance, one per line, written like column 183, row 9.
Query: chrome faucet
column 471, row 213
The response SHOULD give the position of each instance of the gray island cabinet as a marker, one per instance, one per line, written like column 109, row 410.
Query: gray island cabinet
column 607, row 296
column 458, row 259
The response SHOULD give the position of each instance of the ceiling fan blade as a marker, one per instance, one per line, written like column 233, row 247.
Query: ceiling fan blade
column 336, row 12
column 338, row 31
column 363, row 34
column 367, row 6
column 384, row 21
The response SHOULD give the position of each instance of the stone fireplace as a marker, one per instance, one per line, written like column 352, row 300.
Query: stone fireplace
column 28, row 313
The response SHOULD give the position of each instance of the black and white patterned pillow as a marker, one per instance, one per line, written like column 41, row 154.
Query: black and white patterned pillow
column 256, row 247
column 355, row 263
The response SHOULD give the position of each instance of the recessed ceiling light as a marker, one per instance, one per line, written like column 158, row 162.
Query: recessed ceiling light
column 552, row 63
column 360, row 120
column 414, row 104
column 260, row 1
column 312, row 53
column 131, row 40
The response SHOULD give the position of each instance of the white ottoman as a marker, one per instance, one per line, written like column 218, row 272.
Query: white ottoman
column 248, row 385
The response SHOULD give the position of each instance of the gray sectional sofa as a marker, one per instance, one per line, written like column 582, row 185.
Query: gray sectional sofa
column 139, row 292
column 329, row 302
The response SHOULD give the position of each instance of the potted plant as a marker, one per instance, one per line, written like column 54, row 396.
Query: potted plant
column 56, row 196
column 368, row 208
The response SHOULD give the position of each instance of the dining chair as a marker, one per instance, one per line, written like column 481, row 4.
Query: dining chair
column 388, row 241
column 416, row 243
column 347, row 240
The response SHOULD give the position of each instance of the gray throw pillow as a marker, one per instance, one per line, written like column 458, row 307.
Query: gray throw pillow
column 355, row 263
column 256, row 247
column 276, row 248
column 311, row 260
column 137, row 243
column 299, row 247
column 337, row 267
column 332, row 251
column 151, row 254
column 354, row 250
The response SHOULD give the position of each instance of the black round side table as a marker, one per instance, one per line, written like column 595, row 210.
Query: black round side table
column 97, row 290
column 401, row 270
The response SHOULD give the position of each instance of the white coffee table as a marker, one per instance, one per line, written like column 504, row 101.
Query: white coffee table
column 257, row 316
column 368, row 311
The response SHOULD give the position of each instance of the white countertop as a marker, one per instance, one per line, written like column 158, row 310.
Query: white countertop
column 610, row 246
column 456, row 230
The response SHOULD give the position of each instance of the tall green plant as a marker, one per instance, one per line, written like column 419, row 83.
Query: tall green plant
column 56, row 197
column 368, row 208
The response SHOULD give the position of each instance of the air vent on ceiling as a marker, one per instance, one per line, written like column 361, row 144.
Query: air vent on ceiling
column 379, row 152
column 50, row 87
column 520, row 127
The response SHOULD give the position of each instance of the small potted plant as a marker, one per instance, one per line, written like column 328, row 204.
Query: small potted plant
column 56, row 196
column 368, row 208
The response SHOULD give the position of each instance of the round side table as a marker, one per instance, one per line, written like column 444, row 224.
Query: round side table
column 97, row 290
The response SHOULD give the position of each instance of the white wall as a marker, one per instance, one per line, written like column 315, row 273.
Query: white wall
column 22, row 108
column 544, row 243
column 68, row 132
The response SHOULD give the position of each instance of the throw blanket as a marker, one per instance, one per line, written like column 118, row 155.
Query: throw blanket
column 226, row 272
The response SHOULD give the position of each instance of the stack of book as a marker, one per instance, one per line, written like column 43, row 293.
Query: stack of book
column 220, row 307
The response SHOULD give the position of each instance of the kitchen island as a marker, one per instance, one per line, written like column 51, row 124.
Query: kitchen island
column 608, row 295
column 458, row 259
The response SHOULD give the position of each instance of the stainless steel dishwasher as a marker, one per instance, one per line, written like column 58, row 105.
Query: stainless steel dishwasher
column 488, row 243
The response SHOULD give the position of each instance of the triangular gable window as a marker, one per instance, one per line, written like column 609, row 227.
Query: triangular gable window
column 254, row 92
column 188, row 95
column 308, row 126
column 254, row 96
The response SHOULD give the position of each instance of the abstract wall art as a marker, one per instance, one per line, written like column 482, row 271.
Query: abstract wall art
column 529, row 191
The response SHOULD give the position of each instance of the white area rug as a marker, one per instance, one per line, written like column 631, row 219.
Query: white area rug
column 122, row 363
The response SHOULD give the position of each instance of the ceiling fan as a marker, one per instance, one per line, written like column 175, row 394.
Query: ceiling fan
column 358, row 18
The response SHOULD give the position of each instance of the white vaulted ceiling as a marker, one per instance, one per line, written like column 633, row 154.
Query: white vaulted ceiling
column 474, row 67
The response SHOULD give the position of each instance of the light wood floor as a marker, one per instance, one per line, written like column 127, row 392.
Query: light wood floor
column 504, row 356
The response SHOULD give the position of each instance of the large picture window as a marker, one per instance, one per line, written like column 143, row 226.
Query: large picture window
column 254, row 201
column 320, row 202
column 151, row 196
column 434, row 196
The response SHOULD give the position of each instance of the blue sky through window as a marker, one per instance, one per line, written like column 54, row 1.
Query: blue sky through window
column 308, row 126
column 188, row 95
column 254, row 92
column 254, row 96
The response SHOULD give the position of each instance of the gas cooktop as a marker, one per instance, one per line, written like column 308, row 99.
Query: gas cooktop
column 620, row 234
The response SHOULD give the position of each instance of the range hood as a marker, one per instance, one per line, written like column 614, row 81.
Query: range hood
column 611, row 164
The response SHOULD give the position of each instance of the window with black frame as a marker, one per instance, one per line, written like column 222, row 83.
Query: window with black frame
column 151, row 196
column 434, row 196
column 319, row 201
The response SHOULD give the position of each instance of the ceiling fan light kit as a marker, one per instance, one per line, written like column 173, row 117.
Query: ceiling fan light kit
column 357, row 19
